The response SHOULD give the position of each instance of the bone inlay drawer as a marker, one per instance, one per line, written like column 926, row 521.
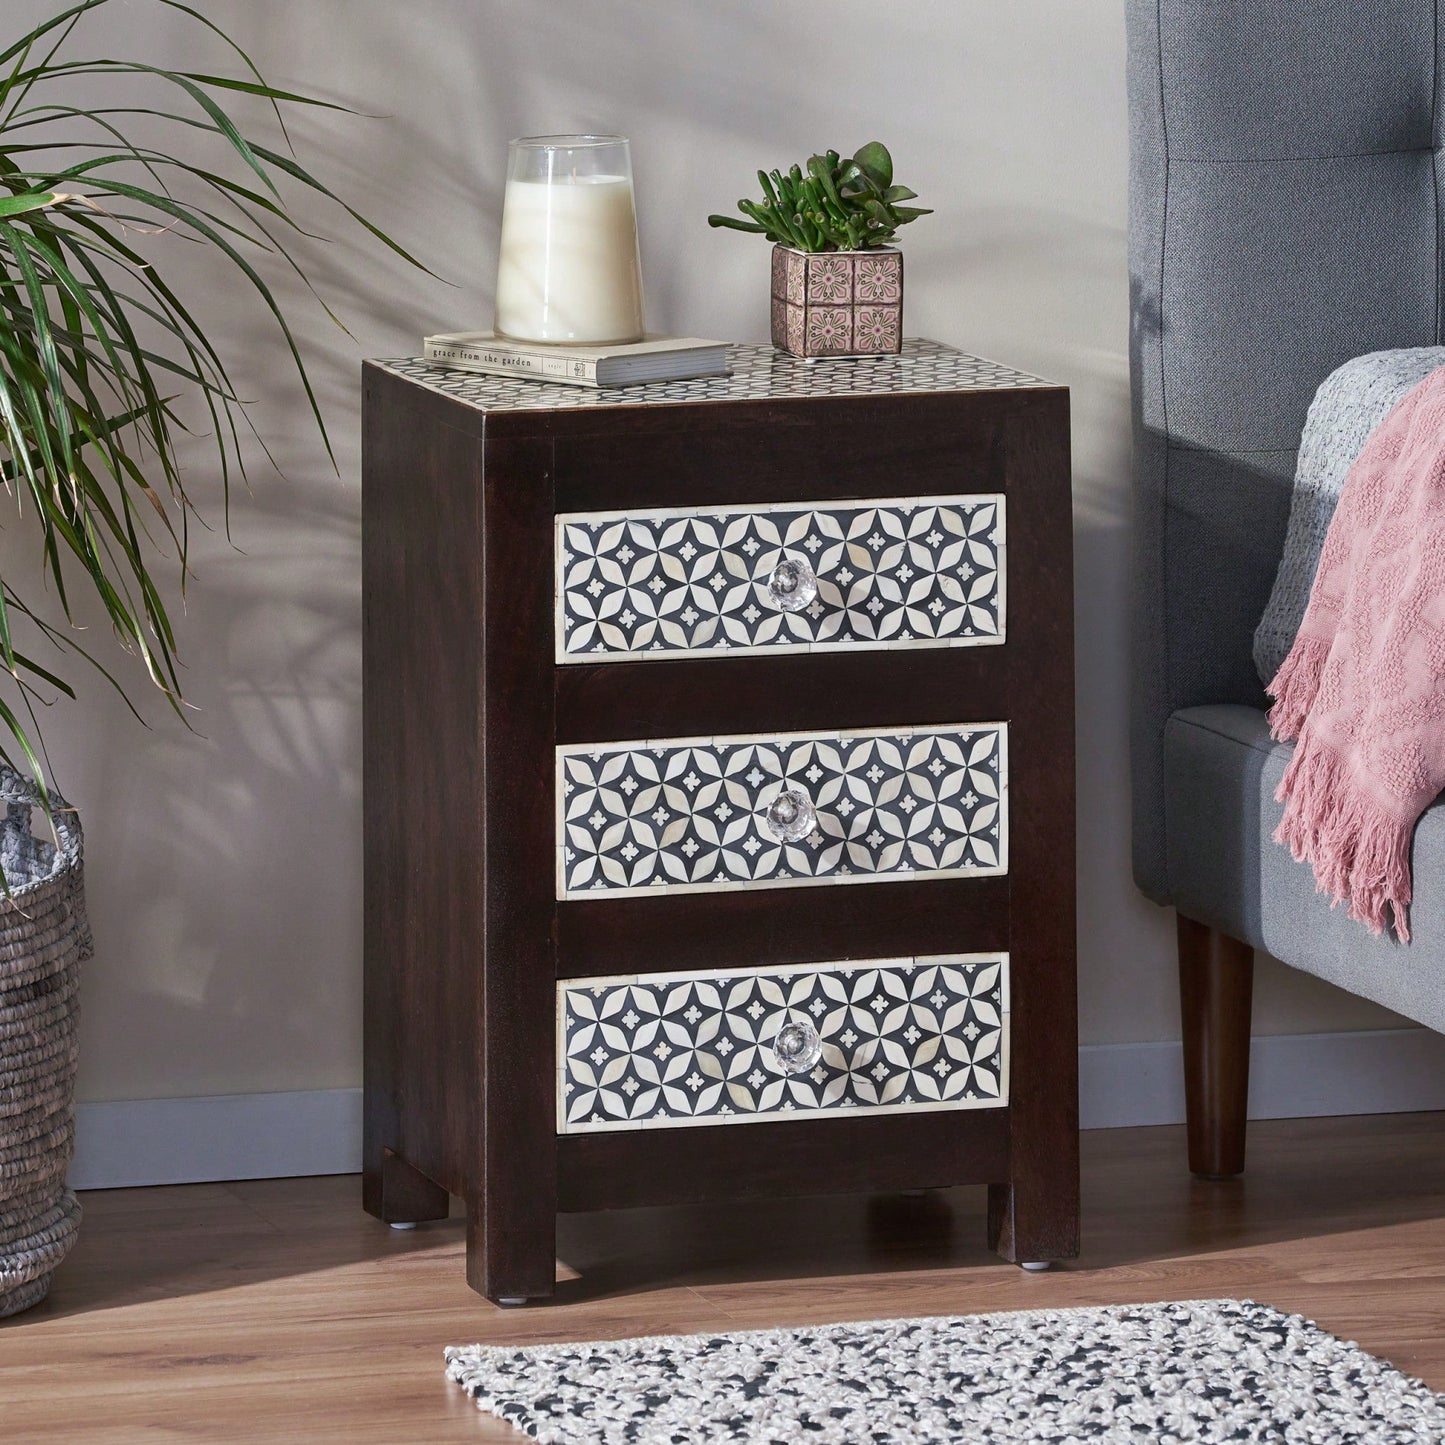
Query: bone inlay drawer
column 890, row 1035
column 691, row 815
column 915, row 572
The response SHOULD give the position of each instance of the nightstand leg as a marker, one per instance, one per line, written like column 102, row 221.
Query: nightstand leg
column 1000, row 1211
column 395, row 1192
column 512, row 1203
column 1034, row 1215
column 1030, row 1225
column 512, row 1254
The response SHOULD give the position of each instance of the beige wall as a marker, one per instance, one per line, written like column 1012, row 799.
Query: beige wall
column 225, row 870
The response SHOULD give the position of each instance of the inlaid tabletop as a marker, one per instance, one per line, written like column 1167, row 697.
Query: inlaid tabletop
column 756, row 373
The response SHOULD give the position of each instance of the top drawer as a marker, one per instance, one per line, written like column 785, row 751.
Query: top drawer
column 681, row 582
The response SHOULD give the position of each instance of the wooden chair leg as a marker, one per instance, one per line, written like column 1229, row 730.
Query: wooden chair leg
column 1216, row 982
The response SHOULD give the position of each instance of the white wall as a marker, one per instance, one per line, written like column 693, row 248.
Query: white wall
column 225, row 873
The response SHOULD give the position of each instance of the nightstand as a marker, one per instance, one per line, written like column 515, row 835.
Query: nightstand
column 719, row 795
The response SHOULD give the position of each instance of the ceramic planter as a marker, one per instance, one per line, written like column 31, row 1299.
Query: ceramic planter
column 837, row 303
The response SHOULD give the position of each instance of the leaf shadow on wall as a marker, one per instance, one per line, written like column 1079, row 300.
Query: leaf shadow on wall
column 224, row 867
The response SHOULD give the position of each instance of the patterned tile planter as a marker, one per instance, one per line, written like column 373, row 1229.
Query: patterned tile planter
column 838, row 303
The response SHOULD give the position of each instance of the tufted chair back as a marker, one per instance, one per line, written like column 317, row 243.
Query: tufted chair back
column 1284, row 216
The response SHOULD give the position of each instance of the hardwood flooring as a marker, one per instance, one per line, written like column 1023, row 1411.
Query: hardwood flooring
column 277, row 1310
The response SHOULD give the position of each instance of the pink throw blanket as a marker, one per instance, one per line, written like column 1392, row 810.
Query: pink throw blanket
column 1363, row 688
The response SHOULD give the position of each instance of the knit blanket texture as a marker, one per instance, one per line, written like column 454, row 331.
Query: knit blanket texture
column 1363, row 688
column 1350, row 403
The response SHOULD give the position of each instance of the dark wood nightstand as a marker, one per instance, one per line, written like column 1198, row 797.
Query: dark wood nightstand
column 699, row 712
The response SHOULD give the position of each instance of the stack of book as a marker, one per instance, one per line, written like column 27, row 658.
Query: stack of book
column 659, row 358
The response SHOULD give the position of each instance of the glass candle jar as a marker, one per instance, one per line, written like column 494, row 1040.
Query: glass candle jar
column 569, row 270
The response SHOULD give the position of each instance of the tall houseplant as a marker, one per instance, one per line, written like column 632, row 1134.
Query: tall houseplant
column 102, row 366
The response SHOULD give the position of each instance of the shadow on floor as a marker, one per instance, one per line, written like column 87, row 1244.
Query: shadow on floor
column 1306, row 1178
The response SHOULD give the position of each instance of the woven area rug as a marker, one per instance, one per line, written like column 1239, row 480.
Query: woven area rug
column 1201, row 1371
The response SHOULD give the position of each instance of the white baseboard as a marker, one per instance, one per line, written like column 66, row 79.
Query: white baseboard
column 273, row 1136
column 1291, row 1076
column 224, row 1136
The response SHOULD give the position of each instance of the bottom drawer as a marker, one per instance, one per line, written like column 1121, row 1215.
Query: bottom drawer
column 873, row 1036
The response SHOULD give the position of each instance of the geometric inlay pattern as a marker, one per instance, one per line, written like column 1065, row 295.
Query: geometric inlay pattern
column 755, row 373
column 691, row 815
column 1212, row 1372
column 921, row 572
column 899, row 1034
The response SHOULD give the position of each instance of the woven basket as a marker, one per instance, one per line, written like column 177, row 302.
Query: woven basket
column 44, row 938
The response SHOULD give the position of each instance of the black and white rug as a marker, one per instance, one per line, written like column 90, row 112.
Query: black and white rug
column 1198, row 1371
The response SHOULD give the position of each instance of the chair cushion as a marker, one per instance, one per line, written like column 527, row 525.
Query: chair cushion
column 1221, row 768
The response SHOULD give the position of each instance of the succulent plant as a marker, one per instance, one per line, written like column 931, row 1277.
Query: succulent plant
column 837, row 204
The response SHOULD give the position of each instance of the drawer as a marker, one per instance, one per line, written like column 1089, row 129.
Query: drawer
column 694, row 815
column 892, row 1035
column 912, row 572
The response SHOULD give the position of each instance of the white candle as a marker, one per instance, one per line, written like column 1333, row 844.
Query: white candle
column 569, row 269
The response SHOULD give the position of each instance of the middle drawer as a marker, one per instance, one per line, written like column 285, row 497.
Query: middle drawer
column 694, row 815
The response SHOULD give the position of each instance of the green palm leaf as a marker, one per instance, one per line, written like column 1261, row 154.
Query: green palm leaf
column 98, row 350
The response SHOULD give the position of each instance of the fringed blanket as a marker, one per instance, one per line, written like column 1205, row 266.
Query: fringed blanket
column 1363, row 688
column 1350, row 403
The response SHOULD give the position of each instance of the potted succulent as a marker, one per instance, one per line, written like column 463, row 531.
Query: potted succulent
column 837, row 281
column 103, row 366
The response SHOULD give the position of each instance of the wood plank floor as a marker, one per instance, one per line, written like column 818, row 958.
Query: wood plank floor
column 277, row 1311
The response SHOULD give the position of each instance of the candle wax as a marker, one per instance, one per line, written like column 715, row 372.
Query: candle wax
column 569, row 270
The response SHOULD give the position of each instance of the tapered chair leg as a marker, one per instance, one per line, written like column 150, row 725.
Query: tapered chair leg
column 1216, row 984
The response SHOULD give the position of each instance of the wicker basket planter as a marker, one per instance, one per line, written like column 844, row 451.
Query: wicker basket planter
column 44, row 939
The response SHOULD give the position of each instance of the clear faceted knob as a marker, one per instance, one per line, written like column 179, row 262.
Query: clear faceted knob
column 790, row 816
column 792, row 585
column 796, row 1046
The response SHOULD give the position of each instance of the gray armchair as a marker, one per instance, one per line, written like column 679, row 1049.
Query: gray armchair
column 1285, row 215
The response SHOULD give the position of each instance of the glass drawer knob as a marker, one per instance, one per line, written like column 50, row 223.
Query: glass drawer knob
column 792, row 585
column 790, row 816
column 797, row 1047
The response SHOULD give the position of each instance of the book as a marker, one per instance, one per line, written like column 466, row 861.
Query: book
column 658, row 358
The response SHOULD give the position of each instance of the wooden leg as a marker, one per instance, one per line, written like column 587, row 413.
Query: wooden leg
column 1033, row 1234
column 1034, row 1214
column 399, row 1194
column 515, row 1265
column 1000, row 1213
column 1216, row 980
